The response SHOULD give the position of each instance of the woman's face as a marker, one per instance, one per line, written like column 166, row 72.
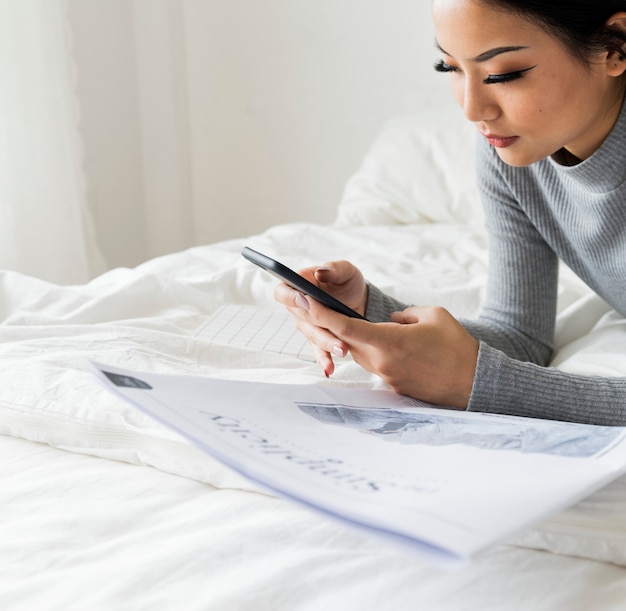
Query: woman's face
column 526, row 93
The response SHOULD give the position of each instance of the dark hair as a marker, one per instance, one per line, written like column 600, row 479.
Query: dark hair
column 579, row 24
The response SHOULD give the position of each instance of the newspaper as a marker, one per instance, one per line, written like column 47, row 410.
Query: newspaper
column 446, row 484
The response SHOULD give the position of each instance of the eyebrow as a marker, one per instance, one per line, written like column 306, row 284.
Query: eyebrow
column 487, row 55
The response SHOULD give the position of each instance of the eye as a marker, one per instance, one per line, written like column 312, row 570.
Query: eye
column 441, row 66
column 507, row 77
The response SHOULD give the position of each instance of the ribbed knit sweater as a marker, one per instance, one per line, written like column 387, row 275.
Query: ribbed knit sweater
column 535, row 216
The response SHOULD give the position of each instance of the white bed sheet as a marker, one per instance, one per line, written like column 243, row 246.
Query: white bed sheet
column 70, row 517
column 82, row 533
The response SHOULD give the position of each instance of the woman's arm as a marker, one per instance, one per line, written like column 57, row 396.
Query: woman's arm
column 503, row 385
column 516, row 326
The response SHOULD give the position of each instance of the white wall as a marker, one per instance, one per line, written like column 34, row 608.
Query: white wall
column 211, row 119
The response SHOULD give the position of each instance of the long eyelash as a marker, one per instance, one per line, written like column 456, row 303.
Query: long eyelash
column 492, row 79
column 506, row 78
column 441, row 66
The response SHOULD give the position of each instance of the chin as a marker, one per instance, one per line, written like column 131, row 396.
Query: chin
column 518, row 160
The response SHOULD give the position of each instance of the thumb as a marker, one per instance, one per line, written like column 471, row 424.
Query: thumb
column 336, row 272
column 406, row 317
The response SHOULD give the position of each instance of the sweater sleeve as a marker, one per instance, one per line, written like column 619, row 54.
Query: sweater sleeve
column 380, row 306
column 503, row 385
column 519, row 310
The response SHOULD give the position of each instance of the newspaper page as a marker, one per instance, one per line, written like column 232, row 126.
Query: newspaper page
column 447, row 484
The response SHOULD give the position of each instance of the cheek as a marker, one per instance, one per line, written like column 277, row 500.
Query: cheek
column 553, row 99
column 546, row 111
column 528, row 111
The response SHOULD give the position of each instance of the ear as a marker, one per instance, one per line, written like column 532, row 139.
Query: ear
column 616, row 57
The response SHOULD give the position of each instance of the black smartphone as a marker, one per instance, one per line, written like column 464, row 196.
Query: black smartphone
column 296, row 281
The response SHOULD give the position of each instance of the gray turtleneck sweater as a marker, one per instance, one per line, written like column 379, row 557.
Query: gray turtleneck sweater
column 535, row 216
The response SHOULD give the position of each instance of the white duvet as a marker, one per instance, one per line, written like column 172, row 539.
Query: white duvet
column 157, row 522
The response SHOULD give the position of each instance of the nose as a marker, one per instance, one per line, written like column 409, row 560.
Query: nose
column 477, row 102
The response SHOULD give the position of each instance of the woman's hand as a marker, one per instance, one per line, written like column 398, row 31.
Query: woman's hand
column 424, row 352
column 344, row 282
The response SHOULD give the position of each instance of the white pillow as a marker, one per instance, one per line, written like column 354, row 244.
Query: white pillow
column 420, row 169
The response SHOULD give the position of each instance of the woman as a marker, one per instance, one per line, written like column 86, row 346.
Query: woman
column 544, row 86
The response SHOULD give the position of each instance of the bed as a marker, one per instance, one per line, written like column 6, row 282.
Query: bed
column 102, row 508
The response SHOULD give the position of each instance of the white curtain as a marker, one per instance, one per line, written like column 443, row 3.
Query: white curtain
column 45, row 225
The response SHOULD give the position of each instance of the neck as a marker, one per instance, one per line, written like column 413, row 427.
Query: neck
column 607, row 117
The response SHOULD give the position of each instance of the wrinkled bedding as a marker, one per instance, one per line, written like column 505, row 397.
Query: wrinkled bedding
column 103, row 508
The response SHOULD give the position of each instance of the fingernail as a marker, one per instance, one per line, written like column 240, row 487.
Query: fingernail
column 323, row 268
column 302, row 301
column 337, row 350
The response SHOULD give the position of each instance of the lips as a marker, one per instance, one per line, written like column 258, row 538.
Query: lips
column 501, row 142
